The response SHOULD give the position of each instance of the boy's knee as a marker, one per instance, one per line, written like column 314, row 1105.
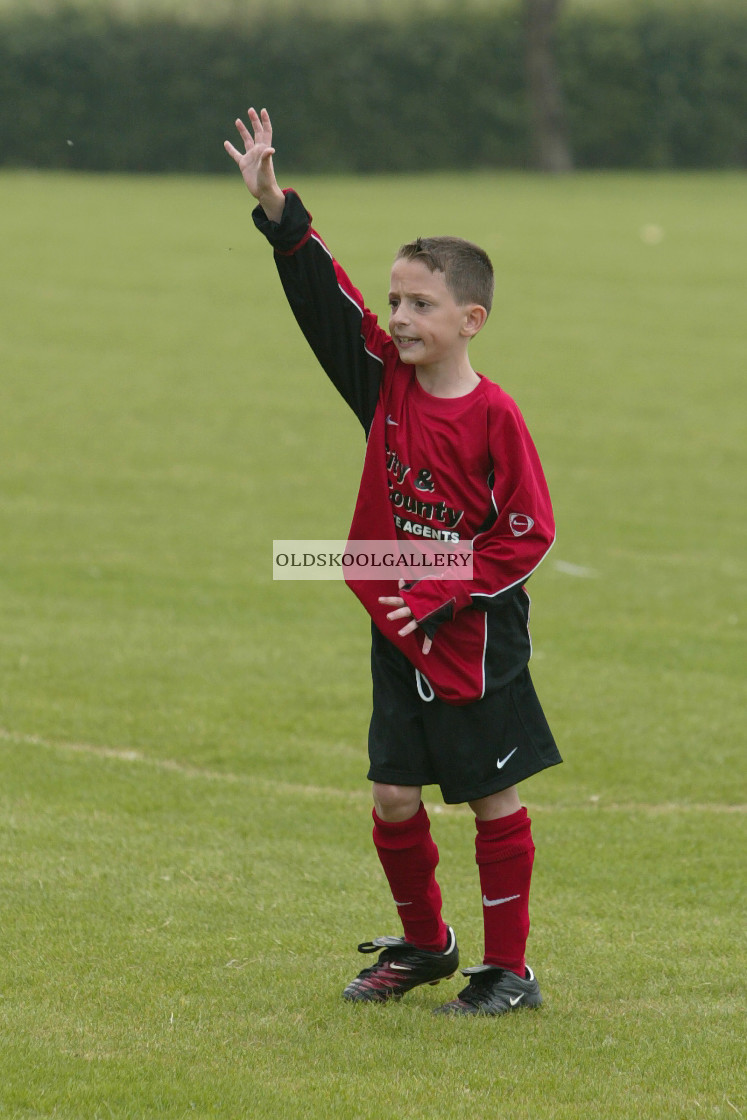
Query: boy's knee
column 501, row 804
column 396, row 803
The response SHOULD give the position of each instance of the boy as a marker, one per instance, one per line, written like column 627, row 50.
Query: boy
column 448, row 457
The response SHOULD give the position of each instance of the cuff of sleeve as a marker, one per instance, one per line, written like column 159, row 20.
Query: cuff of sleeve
column 292, row 231
column 434, row 601
column 430, row 624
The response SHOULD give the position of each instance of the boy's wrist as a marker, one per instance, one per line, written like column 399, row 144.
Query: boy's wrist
column 273, row 203
column 291, row 230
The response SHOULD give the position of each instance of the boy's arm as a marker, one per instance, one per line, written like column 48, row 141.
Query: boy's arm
column 511, row 547
column 343, row 334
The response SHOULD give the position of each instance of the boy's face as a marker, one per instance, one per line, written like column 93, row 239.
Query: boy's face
column 428, row 326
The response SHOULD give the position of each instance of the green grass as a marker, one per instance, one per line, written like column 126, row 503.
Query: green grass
column 185, row 866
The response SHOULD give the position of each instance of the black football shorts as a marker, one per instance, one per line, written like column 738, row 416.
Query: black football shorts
column 469, row 750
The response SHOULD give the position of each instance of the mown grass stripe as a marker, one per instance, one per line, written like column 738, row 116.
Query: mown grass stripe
column 172, row 765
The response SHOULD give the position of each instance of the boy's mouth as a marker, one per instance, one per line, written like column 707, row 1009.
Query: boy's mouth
column 405, row 340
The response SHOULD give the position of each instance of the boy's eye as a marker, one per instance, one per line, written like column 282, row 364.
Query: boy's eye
column 393, row 303
column 421, row 304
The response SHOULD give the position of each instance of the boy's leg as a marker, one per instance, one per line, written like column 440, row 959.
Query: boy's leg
column 409, row 857
column 504, row 852
column 399, row 766
column 428, row 952
column 492, row 745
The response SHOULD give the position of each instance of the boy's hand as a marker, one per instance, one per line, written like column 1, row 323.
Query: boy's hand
column 403, row 611
column 255, row 164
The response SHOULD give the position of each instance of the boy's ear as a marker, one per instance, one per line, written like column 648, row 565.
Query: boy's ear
column 474, row 319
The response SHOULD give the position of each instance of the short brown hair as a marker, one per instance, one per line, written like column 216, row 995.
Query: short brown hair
column 466, row 267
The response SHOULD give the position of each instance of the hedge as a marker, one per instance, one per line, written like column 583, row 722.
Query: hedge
column 645, row 87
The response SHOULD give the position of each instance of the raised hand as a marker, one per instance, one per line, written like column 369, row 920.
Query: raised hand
column 255, row 162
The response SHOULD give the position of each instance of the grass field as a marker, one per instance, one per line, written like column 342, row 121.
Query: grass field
column 185, row 865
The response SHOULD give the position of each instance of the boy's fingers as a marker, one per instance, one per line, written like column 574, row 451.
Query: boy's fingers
column 244, row 133
column 231, row 150
column 261, row 126
column 408, row 629
column 403, row 611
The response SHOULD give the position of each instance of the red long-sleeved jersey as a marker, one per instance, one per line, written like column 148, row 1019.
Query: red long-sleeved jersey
column 460, row 469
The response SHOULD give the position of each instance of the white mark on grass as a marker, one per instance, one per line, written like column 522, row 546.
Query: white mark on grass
column 651, row 234
column 155, row 929
column 172, row 766
column 576, row 570
column 733, row 1106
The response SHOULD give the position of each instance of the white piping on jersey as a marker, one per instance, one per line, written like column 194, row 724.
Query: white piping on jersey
column 420, row 680
column 347, row 295
column 317, row 238
column 492, row 594
column 517, row 582
column 484, row 654
column 492, row 495
column 360, row 312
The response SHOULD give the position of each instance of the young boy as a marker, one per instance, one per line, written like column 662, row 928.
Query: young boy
column 448, row 457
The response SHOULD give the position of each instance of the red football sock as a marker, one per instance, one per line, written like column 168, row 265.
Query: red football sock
column 505, row 853
column 409, row 858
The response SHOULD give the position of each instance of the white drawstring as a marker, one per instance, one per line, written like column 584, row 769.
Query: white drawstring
column 420, row 680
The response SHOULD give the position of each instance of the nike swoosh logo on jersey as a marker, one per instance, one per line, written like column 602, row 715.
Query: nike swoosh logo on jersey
column 502, row 761
column 513, row 1000
column 390, row 421
column 498, row 901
